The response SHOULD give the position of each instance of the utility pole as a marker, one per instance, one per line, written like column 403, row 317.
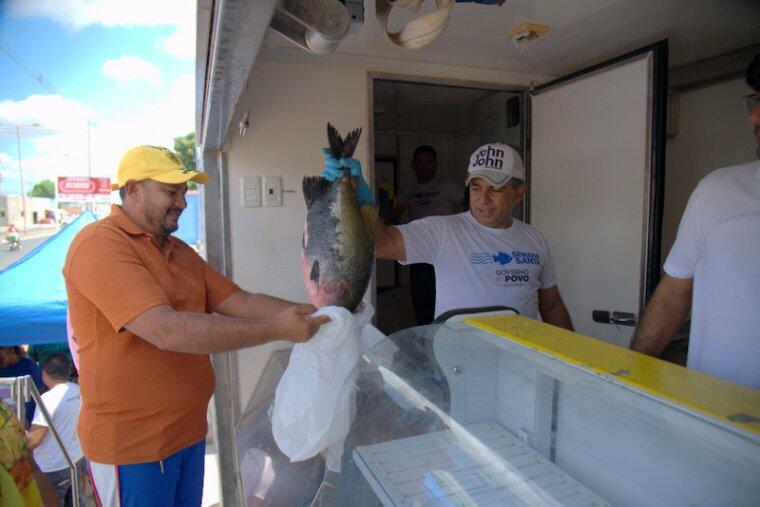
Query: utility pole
column 21, row 177
column 89, row 150
column 89, row 204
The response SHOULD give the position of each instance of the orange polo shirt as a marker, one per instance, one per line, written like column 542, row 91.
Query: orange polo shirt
column 139, row 403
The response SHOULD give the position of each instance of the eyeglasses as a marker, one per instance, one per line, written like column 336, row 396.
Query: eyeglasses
column 751, row 100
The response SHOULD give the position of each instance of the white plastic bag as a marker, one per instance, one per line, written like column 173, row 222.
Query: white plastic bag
column 309, row 413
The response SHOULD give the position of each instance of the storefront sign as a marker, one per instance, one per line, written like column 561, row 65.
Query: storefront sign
column 83, row 186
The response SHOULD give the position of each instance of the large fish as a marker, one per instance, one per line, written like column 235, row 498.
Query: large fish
column 337, row 249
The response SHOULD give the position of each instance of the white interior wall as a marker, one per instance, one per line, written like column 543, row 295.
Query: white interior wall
column 712, row 133
column 291, row 103
column 289, row 114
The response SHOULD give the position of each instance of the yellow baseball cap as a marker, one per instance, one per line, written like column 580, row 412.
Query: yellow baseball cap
column 154, row 163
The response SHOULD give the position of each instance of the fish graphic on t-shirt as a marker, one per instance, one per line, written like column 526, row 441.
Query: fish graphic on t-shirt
column 502, row 258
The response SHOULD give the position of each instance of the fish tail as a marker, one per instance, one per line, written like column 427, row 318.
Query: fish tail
column 339, row 147
column 314, row 187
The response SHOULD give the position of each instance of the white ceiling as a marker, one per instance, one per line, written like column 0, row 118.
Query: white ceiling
column 582, row 32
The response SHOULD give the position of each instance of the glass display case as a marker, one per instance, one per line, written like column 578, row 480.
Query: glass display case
column 510, row 411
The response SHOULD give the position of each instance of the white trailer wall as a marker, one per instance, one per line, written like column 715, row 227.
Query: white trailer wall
column 291, row 102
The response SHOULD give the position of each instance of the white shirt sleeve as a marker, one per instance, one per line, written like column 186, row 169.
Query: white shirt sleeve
column 422, row 239
column 687, row 248
column 548, row 276
column 51, row 404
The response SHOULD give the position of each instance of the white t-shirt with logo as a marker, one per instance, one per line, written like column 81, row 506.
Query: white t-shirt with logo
column 478, row 266
column 63, row 402
column 437, row 197
column 718, row 245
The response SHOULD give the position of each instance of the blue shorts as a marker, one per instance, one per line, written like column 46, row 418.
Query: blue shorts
column 176, row 480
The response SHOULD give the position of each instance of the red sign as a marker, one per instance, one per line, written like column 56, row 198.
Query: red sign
column 84, row 186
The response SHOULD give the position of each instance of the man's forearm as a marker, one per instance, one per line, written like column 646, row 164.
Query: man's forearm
column 264, row 306
column 663, row 316
column 244, row 305
column 201, row 333
column 35, row 435
column 389, row 244
column 558, row 316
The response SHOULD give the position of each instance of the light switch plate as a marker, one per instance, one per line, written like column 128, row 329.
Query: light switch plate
column 272, row 191
column 250, row 191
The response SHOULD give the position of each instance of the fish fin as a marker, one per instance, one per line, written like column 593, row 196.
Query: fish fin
column 314, row 187
column 314, row 275
column 339, row 147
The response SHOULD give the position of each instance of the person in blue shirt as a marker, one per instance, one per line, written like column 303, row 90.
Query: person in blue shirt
column 14, row 364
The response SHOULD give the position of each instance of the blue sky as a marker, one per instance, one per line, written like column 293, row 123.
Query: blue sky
column 126, row 68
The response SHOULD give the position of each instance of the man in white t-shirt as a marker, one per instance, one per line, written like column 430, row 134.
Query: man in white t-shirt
column 63, row 403
column 483, row 257
column 429, row 196
column 713, row 270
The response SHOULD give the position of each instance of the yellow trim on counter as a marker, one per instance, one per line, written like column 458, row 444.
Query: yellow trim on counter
column 732, row 403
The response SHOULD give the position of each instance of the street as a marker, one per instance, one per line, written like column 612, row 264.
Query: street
column 27, row 245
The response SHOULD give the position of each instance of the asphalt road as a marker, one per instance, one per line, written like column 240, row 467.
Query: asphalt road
column 27, row 245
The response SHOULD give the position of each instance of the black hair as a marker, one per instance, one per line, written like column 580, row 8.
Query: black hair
column 122, row 193
column 753, row 73
column 424, row 148
column 57, row 366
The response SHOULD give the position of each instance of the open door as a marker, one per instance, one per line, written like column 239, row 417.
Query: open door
column 596, row 181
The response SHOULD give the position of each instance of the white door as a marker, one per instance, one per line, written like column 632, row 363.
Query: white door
column 595, row 187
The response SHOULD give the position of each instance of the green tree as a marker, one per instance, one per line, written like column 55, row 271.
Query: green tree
column 184, row 146
column 44, row 188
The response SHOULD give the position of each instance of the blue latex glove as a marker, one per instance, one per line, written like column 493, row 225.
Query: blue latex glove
column 334, row 169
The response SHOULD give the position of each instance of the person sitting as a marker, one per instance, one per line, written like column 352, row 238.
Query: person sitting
column 63, row 403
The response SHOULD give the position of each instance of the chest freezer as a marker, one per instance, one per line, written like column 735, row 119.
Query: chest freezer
column 509, row 411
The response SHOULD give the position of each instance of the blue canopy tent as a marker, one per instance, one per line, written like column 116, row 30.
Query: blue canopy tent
column 32, row 290
column 33, row 301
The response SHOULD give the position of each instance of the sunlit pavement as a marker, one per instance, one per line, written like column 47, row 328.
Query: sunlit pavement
column 210, row 478
column 27, row 245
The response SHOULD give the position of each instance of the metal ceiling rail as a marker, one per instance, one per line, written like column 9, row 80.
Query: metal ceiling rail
column 231, row 33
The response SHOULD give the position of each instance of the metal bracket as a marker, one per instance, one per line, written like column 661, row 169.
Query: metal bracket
column 617, row 318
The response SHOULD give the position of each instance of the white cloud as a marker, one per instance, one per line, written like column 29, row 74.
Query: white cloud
column 64, row 152
column 78, row 14
column 131, row 68
column 156, row 123
column 181, row 43
column 46, row 112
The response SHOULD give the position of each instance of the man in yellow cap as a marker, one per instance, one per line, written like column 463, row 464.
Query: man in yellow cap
column 147, row 311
